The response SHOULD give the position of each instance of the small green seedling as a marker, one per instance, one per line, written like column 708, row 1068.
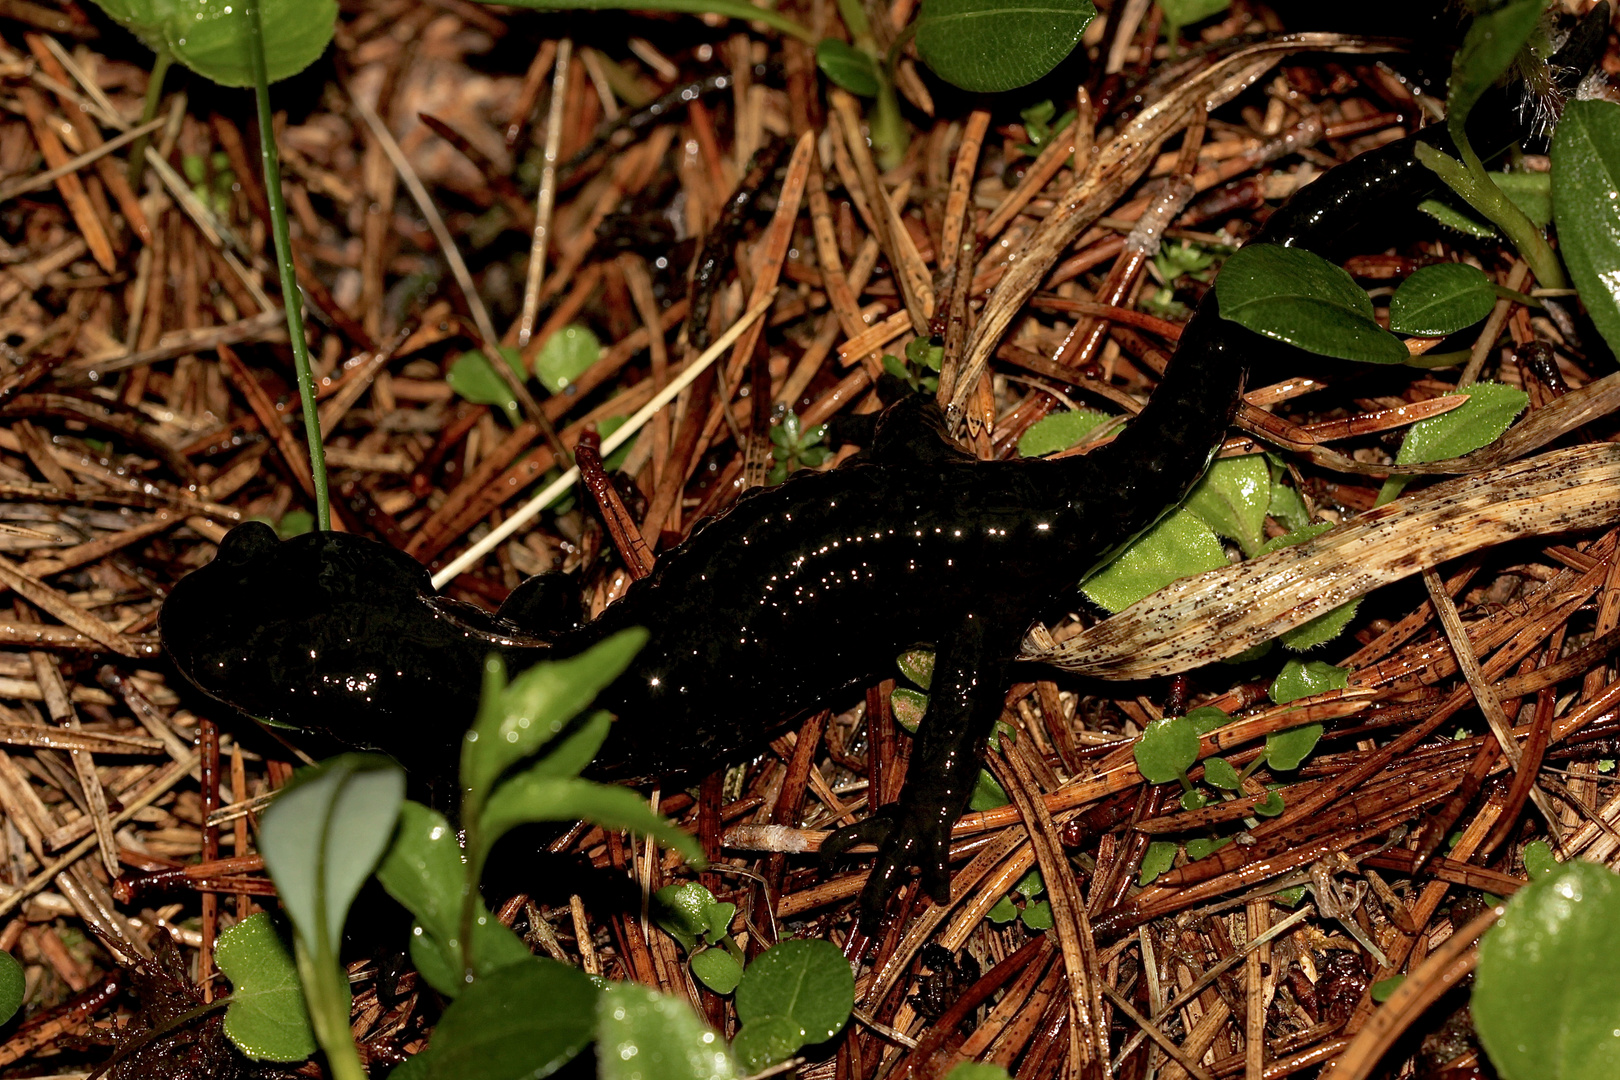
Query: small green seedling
column 267, row 1018
column 795, row 447
column 1040, row 127
column 1035, row 914
column 793, row 995
column 691, row 915
column 920, row 369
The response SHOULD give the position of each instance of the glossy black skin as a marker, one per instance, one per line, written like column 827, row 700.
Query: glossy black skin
column 796, row 595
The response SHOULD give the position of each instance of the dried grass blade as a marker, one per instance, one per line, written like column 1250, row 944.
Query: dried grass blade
column 42, row 596
column 1211, row 616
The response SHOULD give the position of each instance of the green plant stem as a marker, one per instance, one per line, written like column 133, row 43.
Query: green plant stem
column 326, row 991
column 1469, row 179
column 886, row 126
column 291, row 297
column 161, row 62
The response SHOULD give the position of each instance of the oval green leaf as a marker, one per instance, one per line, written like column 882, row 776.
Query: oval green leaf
column 1178, row 546
column 1166, row 750
column 424, row 871
column 212, row 38
column 1477, row 422
column 644, row 1035
column 765, row 1041
column 1547, row 993
column 1441, row 299
column 847, row 66
column 909, row 706
column 917, row 665
column 1233, row 498
column 1285, row 750
column 517, row 720
column 473, row 377
column 808, row 982
column 1320, row 630
column 1531, row 192
column 520, row 1023
column 528, row 798
column 1585, row 176
column 717, row 969
column 991, row 45
column 322, row 836
column 1295, row 296
column 267, row 1018
column 1302, row 678
column 13, row 986
column 1059, row 431
column 1159, row 857
column 1037, row 916
column 1218, row 772
column 565, row 357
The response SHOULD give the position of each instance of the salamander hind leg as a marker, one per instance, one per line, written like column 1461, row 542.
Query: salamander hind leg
column 964, row 701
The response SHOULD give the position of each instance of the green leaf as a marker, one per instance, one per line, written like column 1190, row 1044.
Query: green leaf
column 1302, row 678
column 716, row 969
column 1493, row 39
column 1286, row 749
column 1298, row 536
column 1218, row 772
column 807, row 982
column 1179, row 545
column 908, row 707
column 267, row 1018
column 1004, row 912
column 1456, row 219
column 425, row 872
column 1531, row 192
column 1233, row 498
column 1271, row 805
column 925, row 354
column 987, row 794
column 987, row 46
column 1290, row 897
column 1206, row 718
column 1159, row 857
column 1296, row 296
column 691, row 915
column 529, row 798
column 847, row 66
column 1194, row 799
column 520, row 1023
column 1166, row 750
column 1030, row 885
column 765, row 1041
column 1037, row 916
column 616, row 460
column 212, row 39
column 1585, row 175
column 13, row 986
column 1320, row 630
column 644, row 1035
column 1538, row 859
column 731, row 9
column 1059, row 431
column 517, row 720
column 1441, row 299
column 1547, row 992
column 324, row 833
column 1384, row 987
column 565, row 356
column 977, row 1070
column 917, row 665
column 1477, row 422
column 295, row 523
column 473, row 377
column 1203, row 847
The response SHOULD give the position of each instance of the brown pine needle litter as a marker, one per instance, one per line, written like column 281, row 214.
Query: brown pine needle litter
column 448, row 193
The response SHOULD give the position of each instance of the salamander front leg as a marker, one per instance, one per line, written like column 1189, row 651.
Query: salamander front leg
column 963, row 703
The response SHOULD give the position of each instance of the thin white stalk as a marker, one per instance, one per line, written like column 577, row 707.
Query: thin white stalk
column 554, row 490
column 548, row 195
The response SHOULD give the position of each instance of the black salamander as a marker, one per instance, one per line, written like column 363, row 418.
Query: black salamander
column 796, row 595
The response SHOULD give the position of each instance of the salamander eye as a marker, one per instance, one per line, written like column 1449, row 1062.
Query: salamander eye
column 245, row 543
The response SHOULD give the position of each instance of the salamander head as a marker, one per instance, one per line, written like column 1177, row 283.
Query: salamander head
column 333, row 632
